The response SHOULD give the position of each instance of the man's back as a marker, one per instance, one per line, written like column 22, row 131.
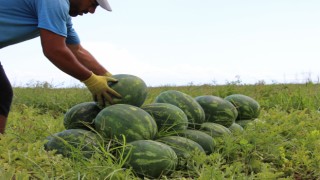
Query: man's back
column 20, row 20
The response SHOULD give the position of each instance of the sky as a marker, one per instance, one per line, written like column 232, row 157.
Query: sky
column 183, row 42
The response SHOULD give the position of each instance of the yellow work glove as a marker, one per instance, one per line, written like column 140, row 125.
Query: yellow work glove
column 101, row 92
column 107, row 74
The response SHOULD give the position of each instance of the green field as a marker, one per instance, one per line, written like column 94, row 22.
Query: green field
column 284, row 143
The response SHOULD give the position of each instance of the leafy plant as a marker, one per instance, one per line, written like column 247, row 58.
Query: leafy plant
column 283, row 143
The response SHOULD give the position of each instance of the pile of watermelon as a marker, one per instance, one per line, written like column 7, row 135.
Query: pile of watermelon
column 159, row 137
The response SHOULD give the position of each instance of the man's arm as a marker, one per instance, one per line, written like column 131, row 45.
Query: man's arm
column 56, row 50
column 87, row 59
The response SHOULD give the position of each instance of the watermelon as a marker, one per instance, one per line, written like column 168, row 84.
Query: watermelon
column 133, row 89
column 247, row 107
column 73, row 143
column 186, row 103
column 81, row 116
column 244, row 123
column 150, row 159
column 217, row 110
column 234, row 128
column 184, row 148
column 214, row 129
column 169, row 118
column 203, row 139
column 124, row 119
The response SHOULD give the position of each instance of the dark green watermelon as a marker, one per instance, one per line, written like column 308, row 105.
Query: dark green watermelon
column 214, row 129
column 124, row 119
column 186, row 103
column 169, row 118
column 74, row 143
column 236, row 128
column 81, row 116
column 218, row 110
column 184, row 148
column 247, row 107
column 202, row 138
column 151, row 159
column 244, row 123
column 133, row 89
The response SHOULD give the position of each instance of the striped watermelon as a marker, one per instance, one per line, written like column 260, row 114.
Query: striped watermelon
column 245, row 123
column 151, row 159
column 235, row 127
column 81, row 116
column 248, row 108
column 186, row 103
column 218, row 110
column 183, row 147
column 124, row 119
column 203, row 139
column 73, row 143
column 214, row 129
column 169, row 118
column 133, row 89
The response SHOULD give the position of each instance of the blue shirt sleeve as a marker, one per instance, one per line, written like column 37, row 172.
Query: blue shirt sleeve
column 72, row 36
column 53, row 15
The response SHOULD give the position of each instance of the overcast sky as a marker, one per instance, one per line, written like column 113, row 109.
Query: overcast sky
column 178, row 42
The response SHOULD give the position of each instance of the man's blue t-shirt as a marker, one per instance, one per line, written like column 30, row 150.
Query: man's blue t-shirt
column 20, row 20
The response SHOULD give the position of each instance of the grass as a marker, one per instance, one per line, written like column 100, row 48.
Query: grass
column 283, row 144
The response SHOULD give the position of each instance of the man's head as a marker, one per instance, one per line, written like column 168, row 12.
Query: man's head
column 80, row 7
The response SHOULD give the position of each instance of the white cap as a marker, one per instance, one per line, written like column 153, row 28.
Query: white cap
column 104, row 4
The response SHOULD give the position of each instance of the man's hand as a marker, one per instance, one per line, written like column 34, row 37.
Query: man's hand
column 98, row 86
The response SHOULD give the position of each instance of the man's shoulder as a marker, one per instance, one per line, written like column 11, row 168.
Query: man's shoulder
column 53, row 4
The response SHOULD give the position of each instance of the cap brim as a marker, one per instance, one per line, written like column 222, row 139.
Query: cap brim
column 104, row 4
